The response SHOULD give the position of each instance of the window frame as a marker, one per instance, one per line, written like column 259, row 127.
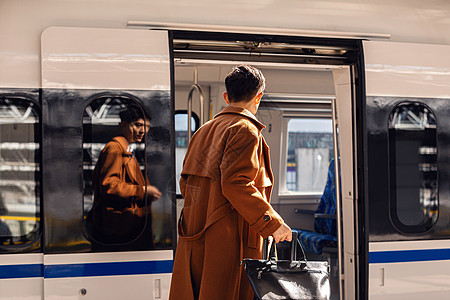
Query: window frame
column 429, row 223
column 32, row 244
column 197, row 126
column 283, row 193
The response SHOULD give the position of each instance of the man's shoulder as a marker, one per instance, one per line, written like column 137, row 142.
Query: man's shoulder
column 223, row 128
column 114, row 145
column 237, row 122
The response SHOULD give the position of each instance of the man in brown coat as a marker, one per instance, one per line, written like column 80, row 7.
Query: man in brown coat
column 119, row 209
column 226, row 183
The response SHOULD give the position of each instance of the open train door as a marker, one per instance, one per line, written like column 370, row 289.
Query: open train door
column 344, row 131
column 88, row 76
column 407, row 122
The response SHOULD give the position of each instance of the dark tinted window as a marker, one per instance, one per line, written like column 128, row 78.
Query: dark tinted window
column 413, row 168
column 19, row 171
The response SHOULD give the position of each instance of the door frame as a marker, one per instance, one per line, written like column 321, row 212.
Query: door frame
column 355, row 64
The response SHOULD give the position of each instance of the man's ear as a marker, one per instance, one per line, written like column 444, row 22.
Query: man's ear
column 225, row 97
column 258, row 98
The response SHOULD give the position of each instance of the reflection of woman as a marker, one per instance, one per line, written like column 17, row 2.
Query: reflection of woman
column 119, row 210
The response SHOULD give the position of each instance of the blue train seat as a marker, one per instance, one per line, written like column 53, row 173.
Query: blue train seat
column 324, row 234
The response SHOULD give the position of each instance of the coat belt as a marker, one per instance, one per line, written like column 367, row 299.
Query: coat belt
column 218, row 214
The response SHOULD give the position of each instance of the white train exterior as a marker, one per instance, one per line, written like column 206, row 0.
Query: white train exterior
column 359, row 64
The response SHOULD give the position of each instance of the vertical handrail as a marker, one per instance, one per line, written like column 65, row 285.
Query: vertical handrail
column 195, row 87
column 338, row 195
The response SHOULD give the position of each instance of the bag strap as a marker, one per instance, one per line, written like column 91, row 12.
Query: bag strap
column 267, row 246
column 296, row 242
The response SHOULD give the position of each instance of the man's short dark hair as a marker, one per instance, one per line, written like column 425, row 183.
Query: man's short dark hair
column 244, row 83
column 133, row 113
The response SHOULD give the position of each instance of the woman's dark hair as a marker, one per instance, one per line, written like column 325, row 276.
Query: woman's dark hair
column 133, row 113
column 244, row 83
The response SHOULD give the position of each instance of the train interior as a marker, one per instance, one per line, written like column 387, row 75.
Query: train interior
column 297, row 112
column 296, row 104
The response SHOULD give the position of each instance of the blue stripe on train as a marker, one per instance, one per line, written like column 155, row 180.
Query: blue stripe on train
column 408, row 256
column 21, row 271
column 109, row 269
column 87, row 269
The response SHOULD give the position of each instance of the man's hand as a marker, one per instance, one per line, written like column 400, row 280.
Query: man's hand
column 153, row 191
column 283, row 233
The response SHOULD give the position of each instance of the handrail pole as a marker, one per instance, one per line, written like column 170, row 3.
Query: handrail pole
column 194, row 87
column 189, row 111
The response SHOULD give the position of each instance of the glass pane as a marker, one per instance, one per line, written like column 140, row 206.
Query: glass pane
column 310, row 149
column 116, row 210
column 181, row 142
column 19, row 171
column 413, row 167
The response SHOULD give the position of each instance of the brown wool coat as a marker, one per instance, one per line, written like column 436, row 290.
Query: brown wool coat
column 117, row 183
column 226, row 183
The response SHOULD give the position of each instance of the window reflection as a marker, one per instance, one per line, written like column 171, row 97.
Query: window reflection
column 19, row 171
column 117, row 194
column 413, row 167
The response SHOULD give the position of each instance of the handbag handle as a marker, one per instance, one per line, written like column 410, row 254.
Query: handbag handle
column 267, row 246
column 271, row 242
column 295, row 242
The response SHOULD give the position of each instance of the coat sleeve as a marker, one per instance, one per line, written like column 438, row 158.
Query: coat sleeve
column 239, row 168
column 111, row 173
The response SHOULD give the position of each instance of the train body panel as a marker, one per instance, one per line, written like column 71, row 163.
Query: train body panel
column 402, row 21
column 394, row 269
column 62, row 129
column 407, row 186
column 135, row 275
column 96, row 58
column 21, row 276
column 407, row 70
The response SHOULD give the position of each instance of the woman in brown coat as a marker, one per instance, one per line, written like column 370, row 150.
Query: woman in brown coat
column 226, row 183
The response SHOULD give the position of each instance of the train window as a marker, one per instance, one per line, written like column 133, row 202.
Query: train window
column 413, row 168
column 181, row 140
column 19, row 171
column 117, row 210
column 309, row 151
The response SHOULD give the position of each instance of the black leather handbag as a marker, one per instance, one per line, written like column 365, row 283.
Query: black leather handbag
column 288, row 279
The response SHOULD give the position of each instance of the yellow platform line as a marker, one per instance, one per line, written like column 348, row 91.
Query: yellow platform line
column 20, row 218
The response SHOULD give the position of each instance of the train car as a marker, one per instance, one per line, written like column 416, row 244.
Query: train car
column 361, row 87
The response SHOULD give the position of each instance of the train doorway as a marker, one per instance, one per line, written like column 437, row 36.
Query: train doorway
column 308, row 109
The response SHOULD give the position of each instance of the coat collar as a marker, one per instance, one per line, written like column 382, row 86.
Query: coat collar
column 133, row 169
column 244, row 112
column 123, row 143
